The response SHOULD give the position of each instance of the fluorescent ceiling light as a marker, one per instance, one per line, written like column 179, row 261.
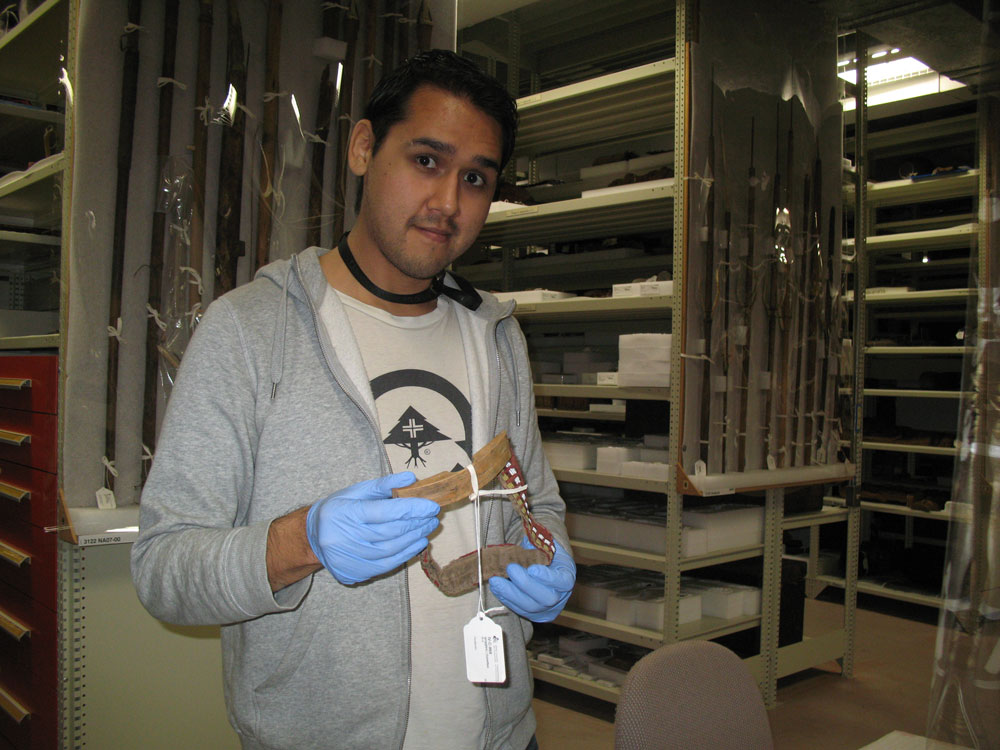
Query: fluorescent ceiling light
column 894, row 70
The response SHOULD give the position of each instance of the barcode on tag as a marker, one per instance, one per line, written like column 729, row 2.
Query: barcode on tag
column 484, row 657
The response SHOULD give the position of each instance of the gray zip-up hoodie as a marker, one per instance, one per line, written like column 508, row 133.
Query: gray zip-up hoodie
column 267, row 416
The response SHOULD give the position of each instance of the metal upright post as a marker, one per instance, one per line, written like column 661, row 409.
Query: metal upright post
column 861, row 217
column 770, row 594
column 683, row 17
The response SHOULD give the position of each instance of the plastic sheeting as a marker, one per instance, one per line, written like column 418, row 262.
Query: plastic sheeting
column 307, row 50
column 762, row 261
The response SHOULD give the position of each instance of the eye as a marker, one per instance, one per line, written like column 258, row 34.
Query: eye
column 475, row 179
column 427, row 161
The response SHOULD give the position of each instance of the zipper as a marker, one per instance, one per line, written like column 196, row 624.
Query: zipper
column 324, row 345
column 487, row 735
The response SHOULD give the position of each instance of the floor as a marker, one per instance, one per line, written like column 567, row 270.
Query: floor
column 818, row 709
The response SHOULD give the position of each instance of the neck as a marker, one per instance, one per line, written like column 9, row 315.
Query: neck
column 355, row 282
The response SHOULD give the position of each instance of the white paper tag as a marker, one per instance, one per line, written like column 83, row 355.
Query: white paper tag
column 484, row 659
column 106, row 499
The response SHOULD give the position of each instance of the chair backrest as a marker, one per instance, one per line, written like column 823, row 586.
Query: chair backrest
column 692, row 695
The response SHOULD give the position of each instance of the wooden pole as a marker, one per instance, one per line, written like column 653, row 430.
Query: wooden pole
column 126, row 128
column 268, row 135
column 199, row 157
column 228, row 247
column 158, row 240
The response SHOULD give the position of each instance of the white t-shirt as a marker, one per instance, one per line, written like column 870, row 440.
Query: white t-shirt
column 417, row 370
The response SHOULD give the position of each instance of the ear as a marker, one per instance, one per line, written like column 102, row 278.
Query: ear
column 360, row 147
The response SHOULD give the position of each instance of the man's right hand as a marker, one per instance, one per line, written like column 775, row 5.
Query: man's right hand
column 362, row 531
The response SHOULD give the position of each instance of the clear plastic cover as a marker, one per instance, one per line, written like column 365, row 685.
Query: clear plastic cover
column 240, row 112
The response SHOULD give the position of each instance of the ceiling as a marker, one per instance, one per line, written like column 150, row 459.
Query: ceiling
column 571, row 39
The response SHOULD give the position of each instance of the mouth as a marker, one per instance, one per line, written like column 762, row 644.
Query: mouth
column 434, row 234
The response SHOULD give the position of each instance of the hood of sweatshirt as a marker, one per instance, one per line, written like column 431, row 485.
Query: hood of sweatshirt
column 301, row 278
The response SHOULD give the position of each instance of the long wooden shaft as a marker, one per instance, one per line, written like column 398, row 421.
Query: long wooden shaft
column 228, row 247
column 747, row 301
column 323, row 109
column 425, row 26
column 344, row 109
column 158, row 241
column 199, row 156
column 126, row 129
column 268, row 134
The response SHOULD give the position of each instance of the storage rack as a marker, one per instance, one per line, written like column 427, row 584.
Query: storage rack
column 35, row 140
column 574, row 116
column 943, row 243
column 31, row 200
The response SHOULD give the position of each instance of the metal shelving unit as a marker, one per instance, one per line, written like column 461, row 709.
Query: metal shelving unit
column 612, row 108
column 930, row 248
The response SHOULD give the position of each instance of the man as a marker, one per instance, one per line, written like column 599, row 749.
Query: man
column 268, row 509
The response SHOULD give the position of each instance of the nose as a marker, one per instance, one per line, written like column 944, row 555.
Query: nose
column 444, row 198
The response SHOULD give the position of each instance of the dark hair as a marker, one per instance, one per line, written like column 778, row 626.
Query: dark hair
column 449, row 72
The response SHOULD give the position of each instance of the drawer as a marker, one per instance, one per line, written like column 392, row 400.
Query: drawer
column 29, row 382
column 24, row 725
column 28, row 650
column 28, row 494
column 28, row 560
column 28, row 438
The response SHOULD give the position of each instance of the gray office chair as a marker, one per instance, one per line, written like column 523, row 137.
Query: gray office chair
column 692, row 695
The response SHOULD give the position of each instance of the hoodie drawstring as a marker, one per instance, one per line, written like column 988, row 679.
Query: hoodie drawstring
column 280, row 332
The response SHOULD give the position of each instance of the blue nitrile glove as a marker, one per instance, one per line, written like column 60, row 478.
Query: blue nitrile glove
column 538, row 592
column 362, row 531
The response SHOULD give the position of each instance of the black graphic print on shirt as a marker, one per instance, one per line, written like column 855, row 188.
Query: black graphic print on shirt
column 428, row 425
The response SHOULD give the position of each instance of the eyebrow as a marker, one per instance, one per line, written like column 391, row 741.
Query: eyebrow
column 446, row 148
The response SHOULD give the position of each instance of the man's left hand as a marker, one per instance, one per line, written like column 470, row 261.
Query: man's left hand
column 538, row 592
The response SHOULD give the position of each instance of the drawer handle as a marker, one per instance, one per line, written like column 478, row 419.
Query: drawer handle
column 12, row 707
column 14, row 628
column 14, row 493
column 14, row 438
column 13, row 555
column 14, row 384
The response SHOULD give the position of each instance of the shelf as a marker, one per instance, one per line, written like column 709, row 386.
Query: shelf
column 878, row 589
column 811, row 652
column 46, row 341
column 586, row 476
column 595, row 308
column 893, row 509
column 929, row 296
column 25, row 248
column 814, row 518
column 23, row 133
column 898, row 192
column 929, row 239
column 600, row 626
column 910, row 393
column 594, row 552
column 932, row 450
column 919, row 351
column 706, row 627
column 602, row 391
column 597, row 416
column 611, row 107
column 570, row 272
column 633, row 211
column 712, row 485
column 32, row 53
column 32, row 196
column 576, row 684
column 721, row 556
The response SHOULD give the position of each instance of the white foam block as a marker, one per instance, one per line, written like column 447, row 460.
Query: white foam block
column 621, row 610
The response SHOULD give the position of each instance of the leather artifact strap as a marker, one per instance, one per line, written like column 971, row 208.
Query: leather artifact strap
column 497, row 461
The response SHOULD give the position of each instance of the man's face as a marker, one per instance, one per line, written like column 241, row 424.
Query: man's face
column 429, row 186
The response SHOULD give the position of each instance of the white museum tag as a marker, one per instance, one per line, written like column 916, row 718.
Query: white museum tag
column 106, row 499
column 484, row 659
